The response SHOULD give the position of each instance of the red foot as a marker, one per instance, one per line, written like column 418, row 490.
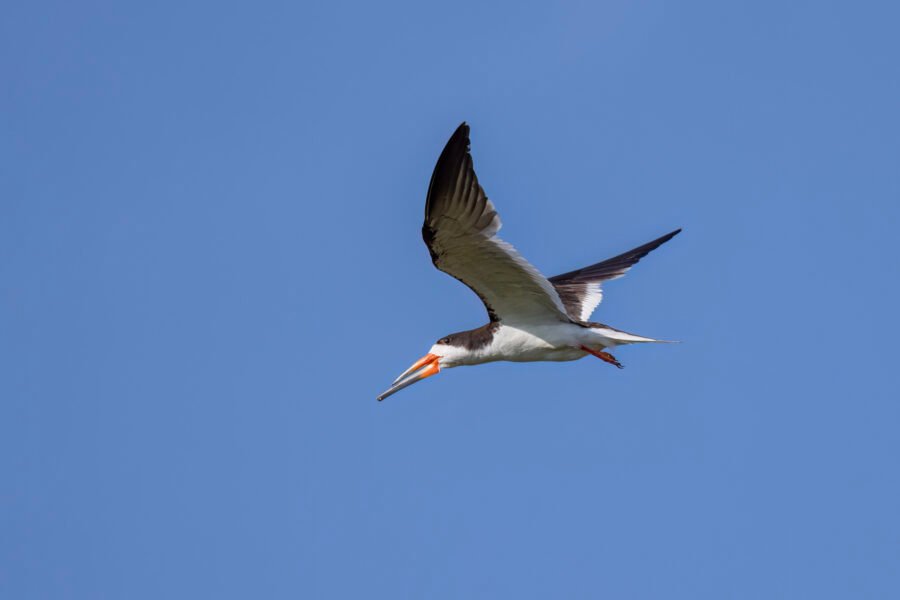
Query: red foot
column 604, row 356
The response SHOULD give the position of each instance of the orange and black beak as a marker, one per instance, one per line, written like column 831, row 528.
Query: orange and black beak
column 426, row 366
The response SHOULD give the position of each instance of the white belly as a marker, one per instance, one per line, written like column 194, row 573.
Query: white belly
column 554, row 342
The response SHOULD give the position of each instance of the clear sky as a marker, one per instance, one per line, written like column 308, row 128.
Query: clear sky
column 210, row 264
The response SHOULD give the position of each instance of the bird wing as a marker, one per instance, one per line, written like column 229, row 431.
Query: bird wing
column 460, row 231
column 581, row 290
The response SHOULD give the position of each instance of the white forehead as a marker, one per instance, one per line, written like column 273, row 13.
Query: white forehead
column 450, row 355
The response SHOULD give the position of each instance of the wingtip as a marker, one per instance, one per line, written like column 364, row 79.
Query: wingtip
column 662, row 240
column 461, row 131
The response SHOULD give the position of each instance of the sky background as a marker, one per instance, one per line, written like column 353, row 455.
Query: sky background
column 210, row 265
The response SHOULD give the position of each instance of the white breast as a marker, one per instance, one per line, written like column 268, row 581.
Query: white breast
column 553, row 342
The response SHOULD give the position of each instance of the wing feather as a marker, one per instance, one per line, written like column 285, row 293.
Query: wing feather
column 460, row 231
column 581, row 290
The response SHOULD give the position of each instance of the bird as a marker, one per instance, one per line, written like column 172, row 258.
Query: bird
column 531, row 317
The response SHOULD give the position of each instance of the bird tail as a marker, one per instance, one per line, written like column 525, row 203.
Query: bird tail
column 623, row 337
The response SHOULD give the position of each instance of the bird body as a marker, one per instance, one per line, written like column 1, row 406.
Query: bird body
column 529, row 342
column 531, row 317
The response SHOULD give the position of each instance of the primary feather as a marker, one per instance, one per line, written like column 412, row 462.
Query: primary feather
column 581, row 290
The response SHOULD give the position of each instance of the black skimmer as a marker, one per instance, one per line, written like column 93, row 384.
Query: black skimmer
column 531, row 317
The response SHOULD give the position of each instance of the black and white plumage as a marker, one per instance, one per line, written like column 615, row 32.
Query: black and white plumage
column 532, row 318
column 460, row 231
column 581, row 291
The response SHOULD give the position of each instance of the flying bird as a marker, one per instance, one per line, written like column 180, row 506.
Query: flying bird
column 531, row 317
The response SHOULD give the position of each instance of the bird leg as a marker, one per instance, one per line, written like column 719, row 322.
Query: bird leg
column 604, row 356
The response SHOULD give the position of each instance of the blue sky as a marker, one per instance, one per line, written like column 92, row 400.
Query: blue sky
column 210, row 264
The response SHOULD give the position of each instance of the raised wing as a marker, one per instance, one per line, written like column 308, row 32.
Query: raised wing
column 460, row 231
column 581, row 290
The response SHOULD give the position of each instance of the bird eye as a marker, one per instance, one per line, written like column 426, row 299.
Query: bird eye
column 444, row 341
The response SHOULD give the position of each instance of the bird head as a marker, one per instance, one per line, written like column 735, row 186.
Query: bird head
column 444, row 354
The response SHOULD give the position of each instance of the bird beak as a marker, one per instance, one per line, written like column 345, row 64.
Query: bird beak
column 426, row 366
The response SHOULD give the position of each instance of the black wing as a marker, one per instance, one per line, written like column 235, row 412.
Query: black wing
column 581, row 291
column 460, row 231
